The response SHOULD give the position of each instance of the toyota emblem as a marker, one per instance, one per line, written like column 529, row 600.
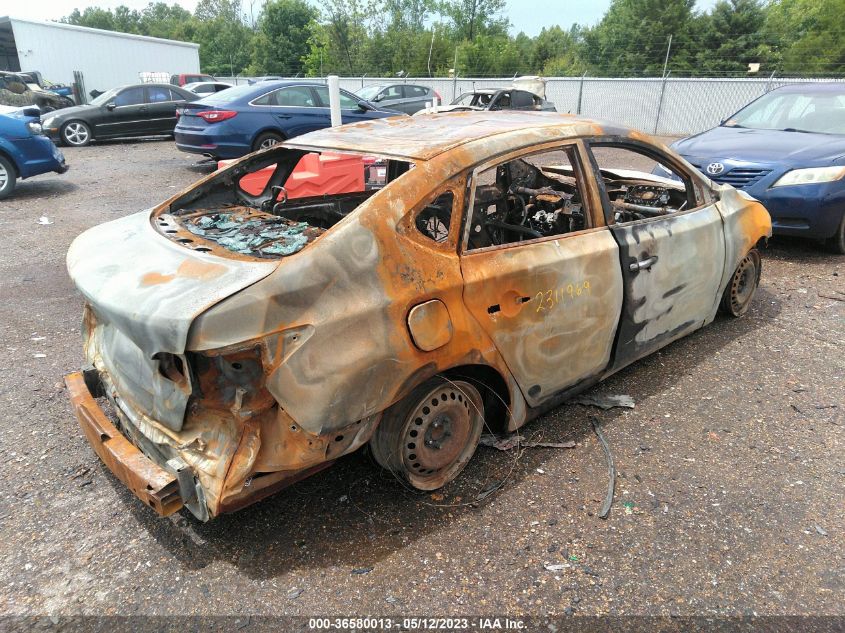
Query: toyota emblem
column 714, row 169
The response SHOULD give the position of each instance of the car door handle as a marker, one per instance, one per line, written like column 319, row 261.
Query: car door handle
column 643, row 264
column 283, row 116
column 142, row 109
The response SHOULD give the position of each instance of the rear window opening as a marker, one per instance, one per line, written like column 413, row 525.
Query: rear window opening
column 275, row 204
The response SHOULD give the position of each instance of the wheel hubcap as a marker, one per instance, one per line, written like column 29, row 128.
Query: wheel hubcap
column 268, row 143
column 4, row 177
column 76, row 134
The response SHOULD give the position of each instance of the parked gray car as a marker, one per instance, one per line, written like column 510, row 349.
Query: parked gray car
column 408, row 98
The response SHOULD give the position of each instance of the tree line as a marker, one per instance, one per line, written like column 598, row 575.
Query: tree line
column 422, row 38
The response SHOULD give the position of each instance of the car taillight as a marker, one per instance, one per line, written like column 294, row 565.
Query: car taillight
column 439, row 98
column 215, row 116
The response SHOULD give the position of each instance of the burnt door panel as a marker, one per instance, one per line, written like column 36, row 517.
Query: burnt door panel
column 550, row 307
column 671, row 267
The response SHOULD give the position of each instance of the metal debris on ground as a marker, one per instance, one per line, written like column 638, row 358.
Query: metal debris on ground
column 557, row 567
column 512, row 441
column 820, row 530
column 611, row 471
column 488, row 490
column 605, row 401
column 44, row 220
column 295, row 592
column 362, row 570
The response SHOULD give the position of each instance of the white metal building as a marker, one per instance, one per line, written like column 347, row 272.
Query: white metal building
column 105, row 58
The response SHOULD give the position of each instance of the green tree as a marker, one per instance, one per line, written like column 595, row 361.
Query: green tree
column 282, row 39
column 805, row 36
column 730, row 37
column 632, row 37
column 93, row 17
column 471, row 18
column 161, row 20
column 557, row 51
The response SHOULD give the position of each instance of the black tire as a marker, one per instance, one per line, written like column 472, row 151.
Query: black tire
column 743, row 284
column 438, row 415
column 8, row 177
column 266, row 139
column 836, row 244
column 76, row 133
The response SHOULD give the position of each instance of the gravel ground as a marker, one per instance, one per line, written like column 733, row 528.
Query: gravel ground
column 730, row 498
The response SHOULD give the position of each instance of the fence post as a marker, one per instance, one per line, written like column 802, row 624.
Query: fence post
column 660, row 101
column 455, row 76
column 580, row 92
column 769, row 83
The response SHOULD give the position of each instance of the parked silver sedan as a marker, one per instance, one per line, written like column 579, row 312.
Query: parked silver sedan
column 408, row 98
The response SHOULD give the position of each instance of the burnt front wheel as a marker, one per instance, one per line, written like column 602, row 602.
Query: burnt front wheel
column 428, row 437
column 743, row 285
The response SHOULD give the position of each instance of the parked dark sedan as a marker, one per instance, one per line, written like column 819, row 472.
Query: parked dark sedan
column 244, row 119
column 408, row 98
column 786, row 149
column 139, row 110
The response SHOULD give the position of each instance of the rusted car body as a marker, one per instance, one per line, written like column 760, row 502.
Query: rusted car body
column 241, row 342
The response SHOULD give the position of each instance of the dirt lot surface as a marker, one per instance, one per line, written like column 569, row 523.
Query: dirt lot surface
column 730, row 498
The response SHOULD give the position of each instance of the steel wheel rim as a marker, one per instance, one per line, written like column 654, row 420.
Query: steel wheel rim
column 4, row 176
column 743, row 284
column 440, row 434
column 76, row 133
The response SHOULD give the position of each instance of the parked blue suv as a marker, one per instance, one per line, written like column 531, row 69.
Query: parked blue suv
column 24, row 150
column 243, row 119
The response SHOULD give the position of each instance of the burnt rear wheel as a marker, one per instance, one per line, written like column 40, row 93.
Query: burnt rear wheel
column 743, row 284
column 428, row 437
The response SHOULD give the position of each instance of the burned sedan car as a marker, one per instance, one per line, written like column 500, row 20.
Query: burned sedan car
column 239, row 342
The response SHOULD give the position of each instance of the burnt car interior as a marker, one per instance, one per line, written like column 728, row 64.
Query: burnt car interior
column 434, row 219
column 223, row 216
column 639, row 194
column 526, row 199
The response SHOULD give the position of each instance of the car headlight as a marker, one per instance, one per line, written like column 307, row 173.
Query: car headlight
column 34, row 127
column 810, row 176
column 48, row 122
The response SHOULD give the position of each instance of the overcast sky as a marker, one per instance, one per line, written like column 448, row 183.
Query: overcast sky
column 525, row 15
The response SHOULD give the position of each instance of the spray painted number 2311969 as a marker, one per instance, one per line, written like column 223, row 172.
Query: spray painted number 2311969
column 550, row 299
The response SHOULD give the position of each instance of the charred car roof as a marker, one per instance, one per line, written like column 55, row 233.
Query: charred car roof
column 424, row 137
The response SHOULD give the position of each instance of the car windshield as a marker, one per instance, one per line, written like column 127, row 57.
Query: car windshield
column 369, row 92
column 230, row 94
column 820, row 112
column 104, row 98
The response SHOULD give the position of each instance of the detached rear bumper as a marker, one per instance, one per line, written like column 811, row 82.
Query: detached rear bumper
column 151, row 483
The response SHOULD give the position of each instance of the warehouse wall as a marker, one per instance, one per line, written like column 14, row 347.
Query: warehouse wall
column 105, row 59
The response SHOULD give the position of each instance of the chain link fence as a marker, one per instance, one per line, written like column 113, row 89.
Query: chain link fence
column 663, row 106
